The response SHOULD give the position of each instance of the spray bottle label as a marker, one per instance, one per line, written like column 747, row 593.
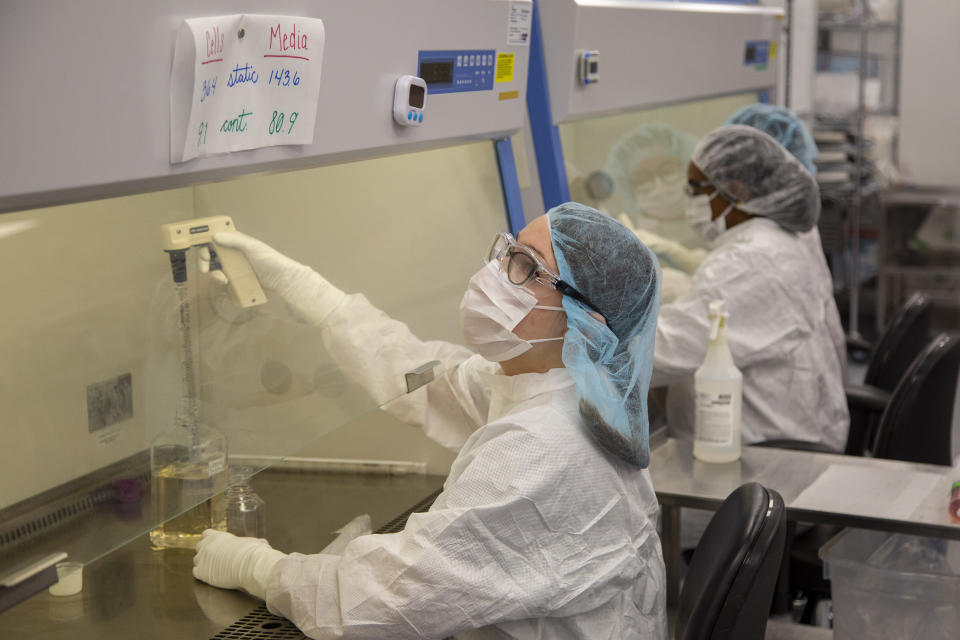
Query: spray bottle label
column 713, row 422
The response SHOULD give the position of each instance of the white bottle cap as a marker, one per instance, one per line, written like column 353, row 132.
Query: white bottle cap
column 718, row 308
column 70, row 576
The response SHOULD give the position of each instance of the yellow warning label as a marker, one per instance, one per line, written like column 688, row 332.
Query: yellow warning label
column 773, row 50
column 509, row 95
column 504, row 67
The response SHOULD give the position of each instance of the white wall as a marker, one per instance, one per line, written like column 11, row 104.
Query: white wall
column 803, row 55
column 930, row 93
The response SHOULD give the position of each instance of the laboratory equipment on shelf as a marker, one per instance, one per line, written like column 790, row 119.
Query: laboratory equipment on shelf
column 719, row 388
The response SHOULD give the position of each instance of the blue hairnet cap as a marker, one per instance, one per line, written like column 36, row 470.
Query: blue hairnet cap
column 784, row 126
column 646, row 142
column 755, row 172
column 610, row 363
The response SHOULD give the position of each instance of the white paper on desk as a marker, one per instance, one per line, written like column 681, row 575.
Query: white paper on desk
column 859, row 490
column 230, row 93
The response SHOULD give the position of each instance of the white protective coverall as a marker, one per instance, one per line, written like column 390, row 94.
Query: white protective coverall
column 537, row 534
column 778, row 334
column 814, row 246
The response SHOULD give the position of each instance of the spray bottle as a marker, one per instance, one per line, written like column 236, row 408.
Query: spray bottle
column 719, row 395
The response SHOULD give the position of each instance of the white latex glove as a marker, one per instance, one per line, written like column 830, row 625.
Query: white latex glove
column 359, row 526
column 310, row 295
column 687, row 260
column 226, row 561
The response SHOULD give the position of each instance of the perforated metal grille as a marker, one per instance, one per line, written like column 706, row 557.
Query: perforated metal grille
column 398, row 523
column 21, row 531
column 260, row 624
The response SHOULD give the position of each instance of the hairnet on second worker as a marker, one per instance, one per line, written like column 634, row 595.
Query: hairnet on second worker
column 784, row 126
column 756, row 173
column 649, row 152
column 611, row 363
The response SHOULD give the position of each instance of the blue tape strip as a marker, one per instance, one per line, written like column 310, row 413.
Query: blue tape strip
column 511, row 185
column 546, row 136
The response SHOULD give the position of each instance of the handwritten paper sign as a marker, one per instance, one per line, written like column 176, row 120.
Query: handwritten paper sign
column 244, row 82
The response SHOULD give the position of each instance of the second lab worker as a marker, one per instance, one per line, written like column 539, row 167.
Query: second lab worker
column 547, row 524
column 749, row 198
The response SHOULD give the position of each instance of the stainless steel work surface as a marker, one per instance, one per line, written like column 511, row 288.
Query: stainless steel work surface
column 681, row 480
column 138, row 593
column 917, row 501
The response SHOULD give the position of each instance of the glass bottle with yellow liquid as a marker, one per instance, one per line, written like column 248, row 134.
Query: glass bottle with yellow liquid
column 189, row 473
column 188, row 463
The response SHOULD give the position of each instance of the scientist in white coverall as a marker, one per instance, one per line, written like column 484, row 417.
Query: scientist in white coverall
column 784, row 126
column 547, row 524
column 750, row 199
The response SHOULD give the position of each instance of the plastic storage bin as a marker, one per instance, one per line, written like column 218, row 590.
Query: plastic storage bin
column 893, row 586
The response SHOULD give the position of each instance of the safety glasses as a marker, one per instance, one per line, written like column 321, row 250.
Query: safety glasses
column 695, row 187
column 521, row 264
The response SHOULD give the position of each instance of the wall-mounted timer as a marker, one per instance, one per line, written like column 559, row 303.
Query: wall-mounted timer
column 409, row 101
column 589, row 67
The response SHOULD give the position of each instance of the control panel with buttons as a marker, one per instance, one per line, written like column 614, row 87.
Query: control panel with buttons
column 455, row 71
column 409, row 101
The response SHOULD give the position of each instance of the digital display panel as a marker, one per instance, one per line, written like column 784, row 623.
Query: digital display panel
column 416, row 96
column 593, row 67
column 437, row 72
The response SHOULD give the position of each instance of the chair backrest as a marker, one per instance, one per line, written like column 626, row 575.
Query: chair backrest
column 905, row 336
column 729, row 585
column 918, row 422
column 907, row 333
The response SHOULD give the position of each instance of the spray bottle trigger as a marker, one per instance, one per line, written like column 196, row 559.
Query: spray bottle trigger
column 714, row 327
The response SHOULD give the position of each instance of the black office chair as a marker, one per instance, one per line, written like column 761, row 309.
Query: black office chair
column 904, row 337
column 730, row 581
column 915, row 427
column 918, row 423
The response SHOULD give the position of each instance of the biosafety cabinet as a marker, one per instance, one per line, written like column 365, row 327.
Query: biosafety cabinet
column 620, row 91
column 397, row 194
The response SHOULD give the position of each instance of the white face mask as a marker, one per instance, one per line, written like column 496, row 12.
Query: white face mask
column 663, row 199
column 699, row 213
column 489, row 311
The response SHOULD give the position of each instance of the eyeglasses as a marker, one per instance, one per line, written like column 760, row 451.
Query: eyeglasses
column 694, row 187
column 521, row 264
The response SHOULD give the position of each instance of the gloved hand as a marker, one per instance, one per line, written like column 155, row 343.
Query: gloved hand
column 226, row 561
column 310, row 295
column 671, row 251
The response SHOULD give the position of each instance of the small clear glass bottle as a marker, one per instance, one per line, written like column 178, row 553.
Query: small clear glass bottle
column 245, row 509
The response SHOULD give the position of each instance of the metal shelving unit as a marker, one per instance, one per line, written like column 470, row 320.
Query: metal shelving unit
column 864, row 186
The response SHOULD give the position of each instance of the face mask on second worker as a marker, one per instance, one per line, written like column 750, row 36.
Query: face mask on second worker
column 699, row 214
